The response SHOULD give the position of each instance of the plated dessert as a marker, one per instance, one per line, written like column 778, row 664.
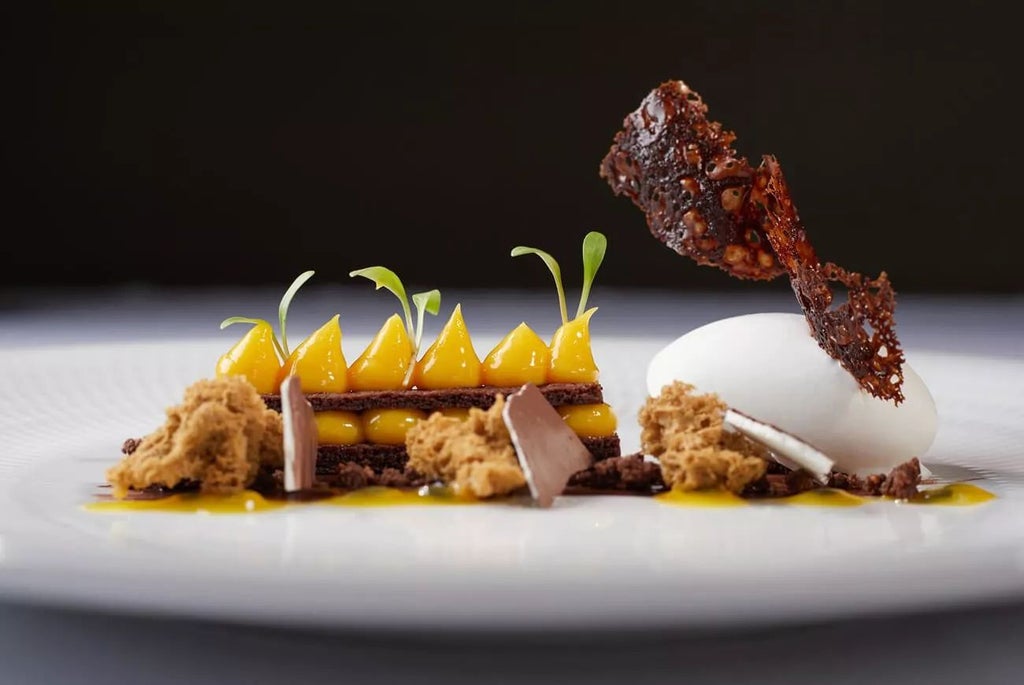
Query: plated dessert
column 773, row 407
column 364, row 410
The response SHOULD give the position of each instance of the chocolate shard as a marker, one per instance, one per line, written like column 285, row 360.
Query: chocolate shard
column 300, row 437
column 549, row 451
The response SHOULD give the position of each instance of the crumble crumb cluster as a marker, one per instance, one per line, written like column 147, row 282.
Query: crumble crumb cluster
column 218, row 437
column 473, row 455
column 686, row 433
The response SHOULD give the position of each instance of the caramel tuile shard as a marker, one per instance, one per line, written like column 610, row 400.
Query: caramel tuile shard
column 549, row 451
column 681, row 170
column 705, row 202
column 300, row 437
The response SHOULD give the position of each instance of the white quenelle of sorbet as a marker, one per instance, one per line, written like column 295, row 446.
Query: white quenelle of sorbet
column 769, row 367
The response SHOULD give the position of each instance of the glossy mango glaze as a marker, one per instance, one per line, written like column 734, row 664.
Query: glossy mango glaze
column 389, row 426
column 318, row 361
column 590, row 420
column 385, row 363
column 450, row 361
column 388, row 363
column 521, row 357
column 571, row 358
column 255, row 357
column 339, row 427
column 244, row 502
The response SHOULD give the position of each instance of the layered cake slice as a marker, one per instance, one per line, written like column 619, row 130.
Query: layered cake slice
column 364, row 410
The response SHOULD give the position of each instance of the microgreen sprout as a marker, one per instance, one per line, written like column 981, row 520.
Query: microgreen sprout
column 594, row 246
column 428, row 302
column 556, row 273
column 282, row 309
column 280, row 343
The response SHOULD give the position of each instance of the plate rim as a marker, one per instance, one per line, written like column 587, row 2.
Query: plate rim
column 17, row 584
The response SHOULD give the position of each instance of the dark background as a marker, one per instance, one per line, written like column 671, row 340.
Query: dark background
column 182, row 146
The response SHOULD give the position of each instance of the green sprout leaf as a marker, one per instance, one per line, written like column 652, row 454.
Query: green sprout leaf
column 594, row 247
column 231, row 320
column 383, row 277
column 282, row 309
column 428, row 302
column 556, row 272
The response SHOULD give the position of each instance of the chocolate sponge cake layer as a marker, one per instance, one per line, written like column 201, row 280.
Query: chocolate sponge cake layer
column 380, row 457
column 377, row 457
column 557, row 394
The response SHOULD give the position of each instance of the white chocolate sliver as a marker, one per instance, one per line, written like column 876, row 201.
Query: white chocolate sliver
column 787, row 449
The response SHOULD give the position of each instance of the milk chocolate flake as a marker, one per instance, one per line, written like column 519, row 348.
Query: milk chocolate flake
column 300, row 437
column 549, row 451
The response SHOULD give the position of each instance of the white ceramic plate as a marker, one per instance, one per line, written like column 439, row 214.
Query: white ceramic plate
column 596, row 563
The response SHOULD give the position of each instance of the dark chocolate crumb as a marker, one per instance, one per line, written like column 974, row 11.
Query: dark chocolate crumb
column 780, row 485
column 130, row 445
column 268, row 480
column 868, row 486
column 800, row 481
column 872, row 485
column 409, row 478
column 158, row 491
column 352, row 476
column 629, row 472
column 902, row 481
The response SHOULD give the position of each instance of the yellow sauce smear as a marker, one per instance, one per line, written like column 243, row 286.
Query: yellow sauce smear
column 824, row 497
column 243, row 502
column 388, row 497
column 701, row 498
column 954, row 495
column 249, row 501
